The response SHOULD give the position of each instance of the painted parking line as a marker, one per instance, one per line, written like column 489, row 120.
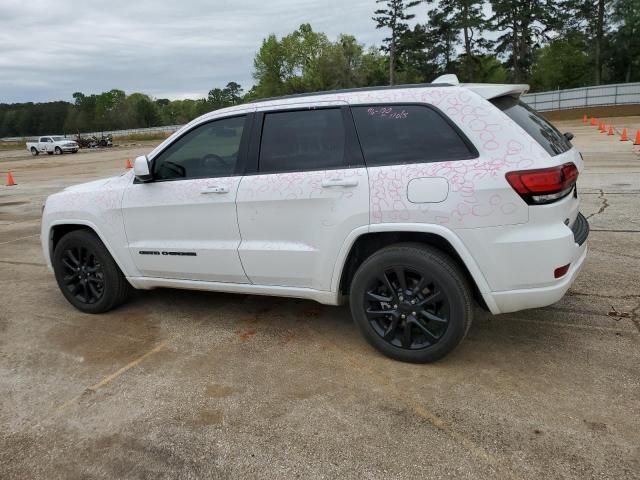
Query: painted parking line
column 21, row 238
column 111, row 377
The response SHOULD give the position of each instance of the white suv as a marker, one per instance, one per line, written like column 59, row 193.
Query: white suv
column 411, row 201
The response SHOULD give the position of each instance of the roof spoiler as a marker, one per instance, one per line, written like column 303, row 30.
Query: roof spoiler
column 486, row 90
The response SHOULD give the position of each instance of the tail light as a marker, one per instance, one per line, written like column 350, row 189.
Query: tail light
column 545, row 185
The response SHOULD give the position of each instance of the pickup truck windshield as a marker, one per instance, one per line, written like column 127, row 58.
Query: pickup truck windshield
column 58, row 139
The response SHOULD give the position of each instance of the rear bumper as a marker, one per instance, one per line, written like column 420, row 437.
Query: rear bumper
column 519, row 261
column 514, row 300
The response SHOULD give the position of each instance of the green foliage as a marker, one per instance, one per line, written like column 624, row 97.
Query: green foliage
column 563, row 63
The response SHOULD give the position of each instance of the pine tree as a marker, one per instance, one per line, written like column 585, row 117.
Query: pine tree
column 466, row 18
column 524, row 26
column 395, row 18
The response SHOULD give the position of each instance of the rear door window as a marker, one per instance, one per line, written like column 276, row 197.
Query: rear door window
column 398, row 134
column 303, row 140
column 534, row 124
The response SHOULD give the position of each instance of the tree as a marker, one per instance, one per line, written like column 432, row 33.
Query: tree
column 626, row 40
column 393, row 17
column 563, row 63
column 524, row 26
column 465, row 17
column 592, row 19
column 234, row 91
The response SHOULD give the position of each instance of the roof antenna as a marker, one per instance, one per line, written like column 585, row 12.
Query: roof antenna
column 449, row 78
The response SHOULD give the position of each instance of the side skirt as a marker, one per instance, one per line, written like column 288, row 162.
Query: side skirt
column 326, row 298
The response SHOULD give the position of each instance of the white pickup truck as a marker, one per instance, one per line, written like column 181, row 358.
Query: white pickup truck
column 51, row 145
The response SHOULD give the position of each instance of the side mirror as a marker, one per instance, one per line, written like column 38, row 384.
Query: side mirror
column 141, row 169
column 568, row 136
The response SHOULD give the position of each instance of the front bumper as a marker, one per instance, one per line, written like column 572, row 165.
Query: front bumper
column 69, row 148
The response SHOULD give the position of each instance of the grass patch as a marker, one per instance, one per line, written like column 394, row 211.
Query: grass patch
column 12, row 146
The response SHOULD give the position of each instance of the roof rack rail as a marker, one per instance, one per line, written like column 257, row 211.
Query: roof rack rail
column 352, row 90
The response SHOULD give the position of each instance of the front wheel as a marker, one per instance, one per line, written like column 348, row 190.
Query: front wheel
column 87, row 274
column 411, row 302
column 58, row 151
column 34, row 151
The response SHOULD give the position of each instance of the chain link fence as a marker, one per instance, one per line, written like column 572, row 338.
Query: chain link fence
column 616, row 94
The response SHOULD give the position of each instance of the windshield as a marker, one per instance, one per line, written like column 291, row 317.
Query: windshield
column 534, row 124
column 58, row 139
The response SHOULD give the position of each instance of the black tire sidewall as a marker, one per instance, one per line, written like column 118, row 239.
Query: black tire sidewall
column 111, row 272
column 58, row 150
column 449, row 279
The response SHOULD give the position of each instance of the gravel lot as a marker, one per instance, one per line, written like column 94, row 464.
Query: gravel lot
column 182, row 384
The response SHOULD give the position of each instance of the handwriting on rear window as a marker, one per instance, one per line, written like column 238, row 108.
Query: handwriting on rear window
column 388, row 112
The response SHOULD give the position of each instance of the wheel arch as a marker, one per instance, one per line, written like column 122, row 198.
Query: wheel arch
column 362, row 244
column 60, row 228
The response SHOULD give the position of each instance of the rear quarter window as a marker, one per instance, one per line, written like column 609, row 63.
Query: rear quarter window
column 398, row 134
column 534, row 124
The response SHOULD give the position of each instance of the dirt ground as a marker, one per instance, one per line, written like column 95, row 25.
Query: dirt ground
column 180, row 384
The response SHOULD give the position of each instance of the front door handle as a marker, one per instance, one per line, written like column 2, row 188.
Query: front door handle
column 339, row 182
column 214, row 189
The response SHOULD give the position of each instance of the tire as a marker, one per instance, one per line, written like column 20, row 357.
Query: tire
column 58, row 151
column 34, row 151
column 407, row 333
column 74, row 151
column 104, row 286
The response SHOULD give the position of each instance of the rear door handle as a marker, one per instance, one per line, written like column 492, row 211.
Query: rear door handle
column 339, row 182
column 214, row 189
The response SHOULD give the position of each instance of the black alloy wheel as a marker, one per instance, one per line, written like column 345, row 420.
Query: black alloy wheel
column 86, row 273
column 83, row 274
column 407, row 308
column 412, row 302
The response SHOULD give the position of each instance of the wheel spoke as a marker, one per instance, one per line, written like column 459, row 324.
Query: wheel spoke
column 406, row 335
column 93, row 290
column 70, row 255
column 432, row 317
column 70, row 278
column 379, row 298
column 431, row 298
column 391, row 329
column 432, row 338
column 385, row 281
column 402, row 280
column 379, row 313
column 68, row 264
column 419, row 286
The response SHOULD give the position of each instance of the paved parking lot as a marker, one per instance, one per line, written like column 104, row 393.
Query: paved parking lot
column 185, row 384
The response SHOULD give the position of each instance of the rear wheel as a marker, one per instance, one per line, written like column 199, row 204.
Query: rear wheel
column 411, row 302
column 34, row 151
column 58, row 151
column 87, row 274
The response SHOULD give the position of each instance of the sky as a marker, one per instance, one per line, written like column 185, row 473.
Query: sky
column 173, row 49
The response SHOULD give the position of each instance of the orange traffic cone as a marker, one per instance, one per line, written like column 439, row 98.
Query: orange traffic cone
column 623, row 137
column 610, row 130
column 129, row 163
column 584, row 119
column 10, row 181
column 594, row 121
column 602, row 128
column 637, row 141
